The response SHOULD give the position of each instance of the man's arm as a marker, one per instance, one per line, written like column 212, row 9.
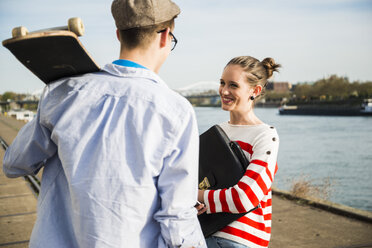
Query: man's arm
column 177, row 186
column 30, row 148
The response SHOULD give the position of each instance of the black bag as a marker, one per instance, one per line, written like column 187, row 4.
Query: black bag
column 222, row 164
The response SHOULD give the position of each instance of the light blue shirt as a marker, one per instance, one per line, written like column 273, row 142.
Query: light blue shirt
column 121, row 162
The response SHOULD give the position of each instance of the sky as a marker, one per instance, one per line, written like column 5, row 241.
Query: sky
column 310, row 39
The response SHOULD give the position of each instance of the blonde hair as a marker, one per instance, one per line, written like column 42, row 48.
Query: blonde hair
column 257, row 72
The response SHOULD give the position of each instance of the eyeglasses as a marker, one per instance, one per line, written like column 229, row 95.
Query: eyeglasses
column 174, row 40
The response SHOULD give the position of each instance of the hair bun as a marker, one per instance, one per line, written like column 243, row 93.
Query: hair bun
column 270, row 66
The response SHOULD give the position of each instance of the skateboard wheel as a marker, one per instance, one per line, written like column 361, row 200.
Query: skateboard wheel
column 76, row 26
column 19, row 32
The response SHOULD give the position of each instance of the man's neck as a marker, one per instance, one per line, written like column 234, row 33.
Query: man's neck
column 143, row 57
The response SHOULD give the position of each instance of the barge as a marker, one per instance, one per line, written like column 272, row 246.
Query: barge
column 328, row 110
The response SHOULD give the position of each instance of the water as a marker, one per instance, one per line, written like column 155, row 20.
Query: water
column 320, row 148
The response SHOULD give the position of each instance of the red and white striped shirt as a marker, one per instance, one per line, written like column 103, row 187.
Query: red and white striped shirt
column 260, row 144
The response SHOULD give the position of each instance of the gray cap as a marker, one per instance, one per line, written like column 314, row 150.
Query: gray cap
column 141, row 13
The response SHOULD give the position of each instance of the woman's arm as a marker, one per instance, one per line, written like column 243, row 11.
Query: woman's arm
column 253, row 186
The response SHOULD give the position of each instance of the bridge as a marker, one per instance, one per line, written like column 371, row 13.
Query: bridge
column 204, row 100
column 198, row 100
column 18, row 103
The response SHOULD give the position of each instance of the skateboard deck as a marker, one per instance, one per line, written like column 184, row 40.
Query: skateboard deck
column 51, row 54
column 222, row 164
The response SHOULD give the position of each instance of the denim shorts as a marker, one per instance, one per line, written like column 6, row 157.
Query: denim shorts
column 217, row 242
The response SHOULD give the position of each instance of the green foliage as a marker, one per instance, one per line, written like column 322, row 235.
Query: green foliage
column 15, row 98
column 364, row 89
column 9, row 95
column 32, row 107
column 275, row 96
column 333, row 88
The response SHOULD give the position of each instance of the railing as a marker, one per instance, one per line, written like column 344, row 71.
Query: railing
column 34, row 181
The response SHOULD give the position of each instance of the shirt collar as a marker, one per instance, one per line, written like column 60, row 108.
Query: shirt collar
column 130, row 71
column 128, row 63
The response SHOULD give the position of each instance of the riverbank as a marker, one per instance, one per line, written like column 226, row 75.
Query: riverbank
column 300, row 223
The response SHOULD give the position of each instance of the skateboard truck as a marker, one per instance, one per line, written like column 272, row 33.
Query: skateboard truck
column 74, row 25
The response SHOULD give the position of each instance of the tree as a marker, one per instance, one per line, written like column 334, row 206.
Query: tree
column 331, row 89
column 365, row 90
column 303, row 91
column 8, row 96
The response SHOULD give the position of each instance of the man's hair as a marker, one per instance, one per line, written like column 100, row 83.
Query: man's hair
column 143, row 36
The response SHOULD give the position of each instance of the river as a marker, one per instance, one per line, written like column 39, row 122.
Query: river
column 332, row 153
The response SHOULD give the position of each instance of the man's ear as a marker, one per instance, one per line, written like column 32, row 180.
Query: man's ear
column 118, row 34
column 164, row 38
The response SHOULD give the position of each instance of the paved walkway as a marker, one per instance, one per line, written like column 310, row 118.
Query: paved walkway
column 17, row 202
column 298, row 225
column 294, row 224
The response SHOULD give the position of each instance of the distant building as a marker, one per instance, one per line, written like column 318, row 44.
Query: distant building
column 13, row 104
column 280, row 87
column 21, row 114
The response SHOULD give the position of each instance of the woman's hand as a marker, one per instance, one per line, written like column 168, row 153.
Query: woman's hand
column 201, row 208
column 201, row 195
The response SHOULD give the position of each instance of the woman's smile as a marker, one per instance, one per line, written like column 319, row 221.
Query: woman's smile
column 227, row 100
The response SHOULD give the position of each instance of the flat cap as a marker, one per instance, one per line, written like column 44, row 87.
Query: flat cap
column 141, row 13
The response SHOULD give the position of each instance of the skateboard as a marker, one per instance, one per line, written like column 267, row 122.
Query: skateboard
column 222, row 164
column 52, row 53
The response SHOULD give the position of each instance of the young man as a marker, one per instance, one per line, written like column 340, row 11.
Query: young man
column 119, row 148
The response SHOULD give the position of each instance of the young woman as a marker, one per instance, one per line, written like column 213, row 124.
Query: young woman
column 243, row 81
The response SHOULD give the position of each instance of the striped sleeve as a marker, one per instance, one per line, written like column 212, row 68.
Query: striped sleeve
column 254, row 185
